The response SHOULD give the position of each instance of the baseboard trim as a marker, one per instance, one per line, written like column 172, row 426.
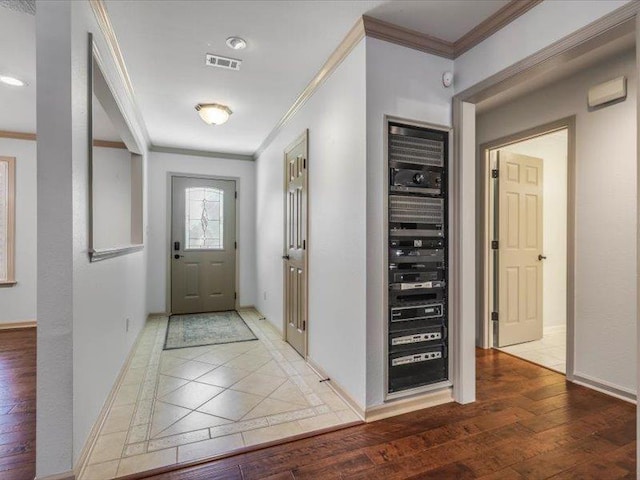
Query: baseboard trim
column 18, row 325
column 605, row 387
column 406, row 405
column 58, row 476
column 338, row 389
column 160, row 314
column 89, row 444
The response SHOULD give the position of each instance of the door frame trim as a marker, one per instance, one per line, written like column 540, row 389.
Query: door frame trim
column 485, row 283
column 304, row 136
column 168, row 225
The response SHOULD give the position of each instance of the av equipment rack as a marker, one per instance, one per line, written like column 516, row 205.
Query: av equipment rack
column 417, row 348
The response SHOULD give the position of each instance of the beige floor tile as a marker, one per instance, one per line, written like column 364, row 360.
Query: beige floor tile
column 134, row 376
column 168, row 384
column 191, row 395
column 135, row 449
column 218, row 357
column 177, row 440
column 167, row 362
column 231, row 404
column 187, row 353
column 333, row 401
column 347, row 416
column 138, row 433
column 126, row 395
column 258, row 384
column 272, row 369
column 236, row 427
column 190, row 370
column 289, row 392
column 108, row 447
column 193, row 421
column 291, row 416
column 248, row 361
column 165, row 415
column 101, row 471
column 210, row 448
column 224, row 376
column 118, row 419
column 271, row 406
column 268, row 434
column 319, row 422
column 148, row 461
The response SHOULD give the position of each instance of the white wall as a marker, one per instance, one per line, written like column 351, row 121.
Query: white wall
column 18, row 303
column 160, row 165
column 82, row 306
column 552, row 148
column 335, row 117
column 111, row 197
column 405, row 83
column 605, row 325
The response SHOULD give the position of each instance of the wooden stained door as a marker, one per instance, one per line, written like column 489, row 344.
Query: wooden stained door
column 295, row 245
column 520, row 252
column 203, row 245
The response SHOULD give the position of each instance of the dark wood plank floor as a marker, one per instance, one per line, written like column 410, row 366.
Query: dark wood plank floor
column 528, row 423
column 17, row 404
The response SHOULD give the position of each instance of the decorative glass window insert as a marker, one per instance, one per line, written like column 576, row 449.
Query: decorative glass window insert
column 7, row 219
column 204, row 218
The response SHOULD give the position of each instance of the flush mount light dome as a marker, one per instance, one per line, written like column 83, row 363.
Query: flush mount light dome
column 13, row 81
column 213, row 113
column 236, row 43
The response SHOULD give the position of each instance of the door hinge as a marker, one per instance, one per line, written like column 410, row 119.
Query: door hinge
column 304, row 244
column 304, row 163
column 495, row 245
column 304, row 325
column 494, row 316
column 235, row 245
column 235, row 194
column 235, row 295
column 494, row 173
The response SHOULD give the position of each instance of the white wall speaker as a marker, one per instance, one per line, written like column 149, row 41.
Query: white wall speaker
column 607, row 92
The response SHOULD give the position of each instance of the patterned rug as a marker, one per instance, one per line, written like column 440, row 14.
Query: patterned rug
column 199, row 329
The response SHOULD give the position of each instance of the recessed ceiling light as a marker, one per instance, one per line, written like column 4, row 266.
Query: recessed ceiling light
column 213, row 113
column 236, row 43
column 13, row 81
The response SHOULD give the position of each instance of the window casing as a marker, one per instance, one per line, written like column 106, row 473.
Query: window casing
column 7, row 220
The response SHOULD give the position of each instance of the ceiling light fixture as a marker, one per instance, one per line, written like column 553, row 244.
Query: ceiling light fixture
column 213, row 113
column 236, row 43
column 13, row 81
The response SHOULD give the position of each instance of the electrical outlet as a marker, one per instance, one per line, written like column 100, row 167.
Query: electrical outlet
column 126, row 324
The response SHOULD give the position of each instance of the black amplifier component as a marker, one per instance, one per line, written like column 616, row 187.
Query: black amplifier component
column 417, row 181
column 417, row 257
column 418, row 367
column 417, row 312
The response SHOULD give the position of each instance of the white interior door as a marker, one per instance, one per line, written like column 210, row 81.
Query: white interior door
column 520, row 252
column 203, row 245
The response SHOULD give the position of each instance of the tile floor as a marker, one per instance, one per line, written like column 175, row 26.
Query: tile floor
column 549, row 351
column 180, row 405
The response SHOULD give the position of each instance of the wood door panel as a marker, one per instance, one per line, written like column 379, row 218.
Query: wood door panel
column 520, row 242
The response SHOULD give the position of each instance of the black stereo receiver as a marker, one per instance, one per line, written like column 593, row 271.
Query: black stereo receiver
column 421, row 181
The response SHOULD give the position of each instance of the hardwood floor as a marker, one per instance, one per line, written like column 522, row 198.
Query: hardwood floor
column 17, row 404
column 528, row 423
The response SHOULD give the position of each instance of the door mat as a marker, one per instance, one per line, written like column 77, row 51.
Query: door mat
column 199, row 329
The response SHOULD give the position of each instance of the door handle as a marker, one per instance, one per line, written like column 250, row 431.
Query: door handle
column 286, row 257
column 177, row 256
column 541, row 257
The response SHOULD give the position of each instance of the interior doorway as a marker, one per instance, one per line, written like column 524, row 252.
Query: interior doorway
column 295, row 244
column 528, row 258
column 203, row 245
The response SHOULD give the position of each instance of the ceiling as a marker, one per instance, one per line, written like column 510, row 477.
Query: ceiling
column 164, row 45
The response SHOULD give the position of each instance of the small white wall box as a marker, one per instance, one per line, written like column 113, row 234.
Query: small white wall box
column 607, row 92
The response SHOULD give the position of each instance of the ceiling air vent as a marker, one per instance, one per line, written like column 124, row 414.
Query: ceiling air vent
column 222, row 62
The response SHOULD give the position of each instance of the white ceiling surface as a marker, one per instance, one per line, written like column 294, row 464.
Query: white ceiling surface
column 445, row 19
column 164, row 46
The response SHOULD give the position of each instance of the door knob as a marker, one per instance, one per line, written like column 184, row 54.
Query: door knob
column 541, row 257
column 177, row 256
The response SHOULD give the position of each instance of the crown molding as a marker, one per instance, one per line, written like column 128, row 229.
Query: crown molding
column 406, row 37
column 201, row 153
column 343, row 50
column 104, row 23
column 491, row 25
